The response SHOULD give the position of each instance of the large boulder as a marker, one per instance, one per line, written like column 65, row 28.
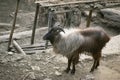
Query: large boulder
column 110, row 18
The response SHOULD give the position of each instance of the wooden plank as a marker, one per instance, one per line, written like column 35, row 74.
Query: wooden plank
column 42, row 1
column 47, row 4
column 39, row 46
column 30, row 52
column 34, row 49
column 42, row 44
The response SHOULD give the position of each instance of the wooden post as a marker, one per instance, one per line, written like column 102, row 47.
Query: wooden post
column 13, row 26
column 35, row 22
column 50, row 22
column 89, row 18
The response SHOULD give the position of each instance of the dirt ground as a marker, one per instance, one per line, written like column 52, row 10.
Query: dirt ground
column 46, row 65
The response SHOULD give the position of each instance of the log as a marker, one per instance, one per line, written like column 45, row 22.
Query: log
column 41, row 44
column 30, row 52
column 41, row 1
column 7, row 25
column 18, row 48
column 34, row 49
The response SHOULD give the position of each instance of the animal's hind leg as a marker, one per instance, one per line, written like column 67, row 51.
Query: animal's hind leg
column 98, row 60
column 69, row 64
column 96, row 63
column 93, row 67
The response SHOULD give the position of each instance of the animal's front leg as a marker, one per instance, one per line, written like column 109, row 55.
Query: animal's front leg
column 69, row 64
column 75, row 60
column 73, row 68
column 93, row 67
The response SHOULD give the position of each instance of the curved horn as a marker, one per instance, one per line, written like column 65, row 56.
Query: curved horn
column 59, row 28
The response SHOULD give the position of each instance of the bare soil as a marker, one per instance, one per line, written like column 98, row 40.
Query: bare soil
column 45, row 65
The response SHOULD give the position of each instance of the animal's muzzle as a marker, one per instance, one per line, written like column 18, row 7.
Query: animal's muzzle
column 46, row 36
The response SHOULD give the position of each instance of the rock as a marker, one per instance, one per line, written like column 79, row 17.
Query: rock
column 43, row 52
column 10, row 53
column 35, row 68
column 19, row 58
column 88, row 77
column 111, row 14
column 4, row 61
column 38, row 59
column 112, row 47
column 111, row 18
column 58, row 73
column 47, row 79
column 57, row 68
column 32, row 75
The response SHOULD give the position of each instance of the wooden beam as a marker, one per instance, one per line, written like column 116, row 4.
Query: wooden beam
column 13, row 26
column 7, row 25
column 41, row 44
column 41, row 1
column 18, row 48
column 35, row 22
column 48, row 4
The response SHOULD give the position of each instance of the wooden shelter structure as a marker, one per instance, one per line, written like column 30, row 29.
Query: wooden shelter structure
column 89, row 5
column 83, row 5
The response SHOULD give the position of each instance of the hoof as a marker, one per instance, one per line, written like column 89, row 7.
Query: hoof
column 92, row 70
column 72, row 72
column 67, row 70
column 96, row 67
